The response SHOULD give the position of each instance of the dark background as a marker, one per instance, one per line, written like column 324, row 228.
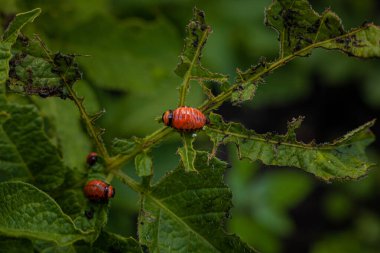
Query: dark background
column 130, row 50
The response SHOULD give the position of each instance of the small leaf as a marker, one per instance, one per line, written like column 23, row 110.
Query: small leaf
column 123, row 146
column 143, row 164
column 36, row 71
column 109, row 242
column 342, row 159
column 9, row 37
column 301, row 29
column 26, row 211
column 187, row 152
column 186, row 212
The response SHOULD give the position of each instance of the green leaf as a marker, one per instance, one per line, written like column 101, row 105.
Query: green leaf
column 197, row 32
column 36, row 71
column 109, row 242
column 66, row 125
column 342, row 159
column 245, row 88
column 143, row 164
column 187, row 152
column 40, row 164
column 189, row 66
column 26, row 211
column 15, row 245
column 123, row 146
column 186, row 212
column 301, row 29
column 9, row 37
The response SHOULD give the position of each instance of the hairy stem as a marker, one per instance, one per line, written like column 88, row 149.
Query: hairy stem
column 78, row 102
column 128, row 181
column 217, row 101
column 146, row 144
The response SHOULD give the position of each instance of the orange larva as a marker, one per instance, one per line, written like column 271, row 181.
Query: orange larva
column 186, row 119
column 98, row 191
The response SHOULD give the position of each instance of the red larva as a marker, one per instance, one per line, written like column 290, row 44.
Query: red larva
column 98, row 191
column 92, row 158
column 186, row 119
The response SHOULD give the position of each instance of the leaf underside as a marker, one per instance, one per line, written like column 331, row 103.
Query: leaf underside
column 185, row 212
column 342, row 159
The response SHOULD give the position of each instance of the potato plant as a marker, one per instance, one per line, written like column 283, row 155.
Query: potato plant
column 43, row 208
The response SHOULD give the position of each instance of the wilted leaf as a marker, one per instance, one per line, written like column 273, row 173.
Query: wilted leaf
column 343, row 158
column 26, row 211
column 185, row 212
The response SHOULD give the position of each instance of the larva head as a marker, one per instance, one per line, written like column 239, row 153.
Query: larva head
column 167, row 117
column 111, row 192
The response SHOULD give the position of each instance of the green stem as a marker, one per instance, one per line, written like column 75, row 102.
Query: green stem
column 128, row 181
column 85, row 117
column 145, row 145
column 215, row 102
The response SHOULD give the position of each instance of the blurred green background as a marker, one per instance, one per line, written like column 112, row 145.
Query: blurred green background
column 129, row 50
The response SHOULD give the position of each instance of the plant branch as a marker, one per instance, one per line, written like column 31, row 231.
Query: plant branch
column 79, row 103
column 145, row 145
column 128, row 181
column 217, row 101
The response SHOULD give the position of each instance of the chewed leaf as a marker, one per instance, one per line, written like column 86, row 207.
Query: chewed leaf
column 36, row 71
column 189, row 66
column 8, row 38
column 186, row 212
column 342, row 159
column 190, row 60
column 301, row 29
column 245, row 87
column 27, row 212
column 187, row 152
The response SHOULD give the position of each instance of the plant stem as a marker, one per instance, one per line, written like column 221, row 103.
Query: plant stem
column 128, row 180
column 78, row 102
column 145, row 145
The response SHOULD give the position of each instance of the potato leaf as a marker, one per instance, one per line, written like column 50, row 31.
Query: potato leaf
column 27, row 212
column 36, row 71
column 342, row 159
column 186, row 212
column 8, row 38
column 189, row 66
column 301, row 29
